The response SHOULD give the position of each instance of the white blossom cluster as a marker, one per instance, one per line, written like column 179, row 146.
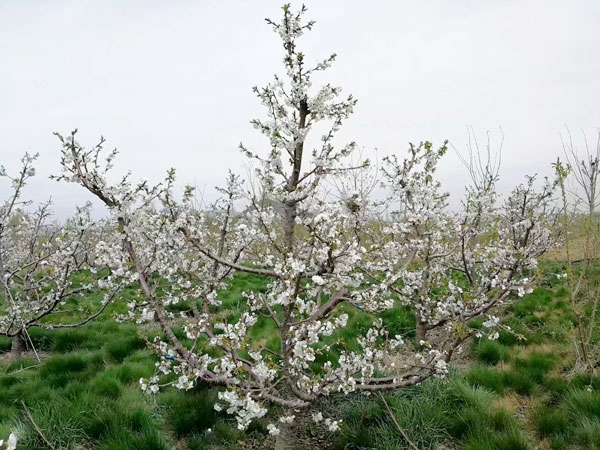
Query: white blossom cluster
column 11, row 442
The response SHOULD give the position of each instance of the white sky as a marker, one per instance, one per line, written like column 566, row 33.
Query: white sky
column 169, row 82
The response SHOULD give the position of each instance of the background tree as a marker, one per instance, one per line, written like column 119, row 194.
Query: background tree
column 581, row 230
column 581, row 242
column 38, row 263
column 584, row 170
column 466, row 263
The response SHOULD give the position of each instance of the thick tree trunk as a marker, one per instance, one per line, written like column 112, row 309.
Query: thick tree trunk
column 421, row 332
column 18, row 346
column 285, row 439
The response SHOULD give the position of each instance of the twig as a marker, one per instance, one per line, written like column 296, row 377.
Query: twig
column 35, row 426
column 577, row 261
column 32, row 346
column 396, row 424
column 89, row 318
column 24, row 368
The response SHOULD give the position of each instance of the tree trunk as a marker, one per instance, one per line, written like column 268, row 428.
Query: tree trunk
column 285, row 439
column 18, row 345
column 290, row 212
column 421, row 332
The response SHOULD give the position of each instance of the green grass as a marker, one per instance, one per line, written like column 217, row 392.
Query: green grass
column 434, row 413
column 85, row 392
column 190, row 414
column 86, row 399
column 491, row 352
column 573, row 419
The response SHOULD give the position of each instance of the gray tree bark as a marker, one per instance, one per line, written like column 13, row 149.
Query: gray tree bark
column 18, row 345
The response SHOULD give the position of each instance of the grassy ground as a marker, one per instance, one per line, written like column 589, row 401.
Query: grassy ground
column 516, row 394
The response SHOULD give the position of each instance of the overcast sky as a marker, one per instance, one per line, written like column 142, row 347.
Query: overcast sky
column 169, row 82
